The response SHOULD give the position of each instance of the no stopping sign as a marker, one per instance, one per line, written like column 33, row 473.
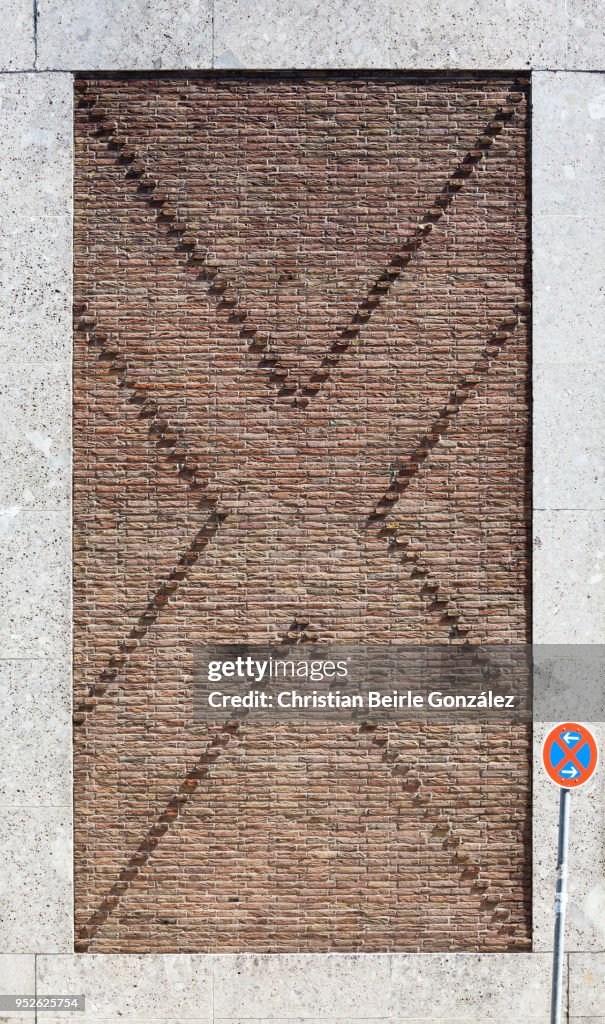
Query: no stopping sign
column 570, row 755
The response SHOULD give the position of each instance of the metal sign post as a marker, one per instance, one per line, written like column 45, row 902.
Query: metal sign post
column 560, row 902
column 570, row 757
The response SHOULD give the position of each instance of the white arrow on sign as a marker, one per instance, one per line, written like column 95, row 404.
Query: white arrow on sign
column 570, row 771
column 571, row 737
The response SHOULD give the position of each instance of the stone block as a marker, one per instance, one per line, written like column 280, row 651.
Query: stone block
column 465, row 985
column 35, row 288
column 17, row 977
column 585, row 35
column 568, row 298
column 146, row 34
column 35, row 734
column 307, row 34
column 329, row 986
column 569, row 437
column 35, row 414
column 35, row 600
column 568, row 577
column 17, row 38
column 135, row 988
column 568, row 139
column 483, row 34
column 36, row 880
column 587, row 985
column 36, row 127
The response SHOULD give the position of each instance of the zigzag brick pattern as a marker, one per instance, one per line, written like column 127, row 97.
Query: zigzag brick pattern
column 301, row 413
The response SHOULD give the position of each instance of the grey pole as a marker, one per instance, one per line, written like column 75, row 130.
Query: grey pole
column 560, row 901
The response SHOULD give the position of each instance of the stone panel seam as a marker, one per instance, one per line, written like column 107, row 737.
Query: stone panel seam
column 35, row 29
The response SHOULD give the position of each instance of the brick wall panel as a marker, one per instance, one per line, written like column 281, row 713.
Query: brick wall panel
column 298, row 192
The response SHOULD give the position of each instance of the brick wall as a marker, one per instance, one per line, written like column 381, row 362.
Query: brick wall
column 301, row 411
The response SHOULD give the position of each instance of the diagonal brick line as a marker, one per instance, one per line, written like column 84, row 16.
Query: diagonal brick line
column 437, row 599
column 465, row 388
column 193, row 256
column 167, row 437
column 225, row 738
column 413, row 783
column 164, row 593
column 278, row 376
column 298, row 632
column 169, row 442
column 381, row 288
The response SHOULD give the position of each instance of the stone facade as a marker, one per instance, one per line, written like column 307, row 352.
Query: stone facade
column 561, row 43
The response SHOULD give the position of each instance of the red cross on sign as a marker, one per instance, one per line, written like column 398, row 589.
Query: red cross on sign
column 570, row 755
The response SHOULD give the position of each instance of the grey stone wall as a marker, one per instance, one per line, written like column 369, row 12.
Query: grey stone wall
column 143, row 34
column 40, row 46
column 35, row 511
column 568, row 229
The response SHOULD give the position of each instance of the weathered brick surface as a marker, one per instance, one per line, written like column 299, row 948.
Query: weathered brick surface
column 301, row 407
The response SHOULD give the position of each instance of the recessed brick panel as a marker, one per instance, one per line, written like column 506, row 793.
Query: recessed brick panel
column 301, row 413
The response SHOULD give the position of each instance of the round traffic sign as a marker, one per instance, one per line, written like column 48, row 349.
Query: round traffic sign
column 570, row 755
